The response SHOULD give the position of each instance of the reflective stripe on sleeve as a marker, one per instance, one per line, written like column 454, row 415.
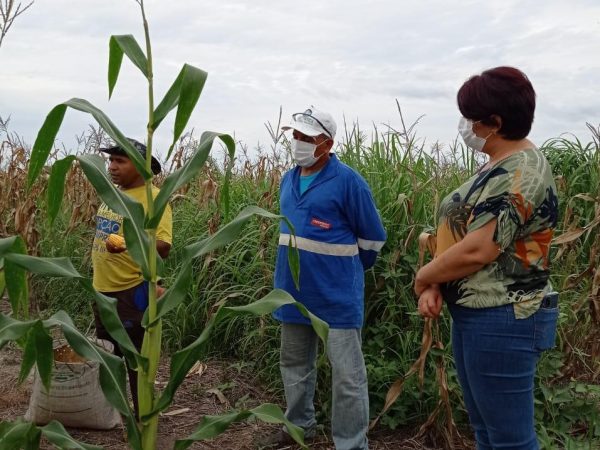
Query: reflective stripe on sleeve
column 322, row 248
column 364, row 244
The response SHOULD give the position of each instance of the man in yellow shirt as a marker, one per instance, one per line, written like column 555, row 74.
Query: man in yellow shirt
column 115, row 273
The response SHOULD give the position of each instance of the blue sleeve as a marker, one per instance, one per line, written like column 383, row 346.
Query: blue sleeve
column 365, row 222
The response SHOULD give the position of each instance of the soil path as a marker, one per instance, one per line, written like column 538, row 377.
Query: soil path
column 213, row 389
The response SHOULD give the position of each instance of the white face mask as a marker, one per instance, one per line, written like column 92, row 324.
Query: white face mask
column 465, row 129
column 304, row 153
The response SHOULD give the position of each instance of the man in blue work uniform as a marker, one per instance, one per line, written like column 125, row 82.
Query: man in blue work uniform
column 338, row 233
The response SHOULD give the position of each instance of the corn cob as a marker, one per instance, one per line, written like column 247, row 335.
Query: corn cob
column 116, row 241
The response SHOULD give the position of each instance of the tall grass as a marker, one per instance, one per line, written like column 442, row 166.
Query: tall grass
column 408, row 181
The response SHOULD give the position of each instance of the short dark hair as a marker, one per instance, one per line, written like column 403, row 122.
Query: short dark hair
column 502, row 91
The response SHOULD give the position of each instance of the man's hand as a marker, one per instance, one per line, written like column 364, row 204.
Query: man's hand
column 430, row 302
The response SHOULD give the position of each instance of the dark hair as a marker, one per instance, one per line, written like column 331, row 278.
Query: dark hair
column 502, row 91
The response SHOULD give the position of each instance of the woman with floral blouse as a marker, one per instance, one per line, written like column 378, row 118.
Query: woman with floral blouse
column 492, row 261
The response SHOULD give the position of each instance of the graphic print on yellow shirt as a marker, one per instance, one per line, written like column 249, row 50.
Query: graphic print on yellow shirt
column 117, row 271
column 519, row 192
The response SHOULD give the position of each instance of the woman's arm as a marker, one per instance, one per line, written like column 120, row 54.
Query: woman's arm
column 464, row 258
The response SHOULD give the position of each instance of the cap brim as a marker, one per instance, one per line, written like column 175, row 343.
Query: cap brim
column 304, row 129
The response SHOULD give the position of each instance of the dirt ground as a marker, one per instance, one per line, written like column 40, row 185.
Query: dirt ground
column 216, row 388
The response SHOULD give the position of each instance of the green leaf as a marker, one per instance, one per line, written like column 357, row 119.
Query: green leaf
column 58, row 436
column 44, row 142
column 52, row 267
column 15, row 277
column 56, row 186
column 122, row 204
column 274, row 300
column 19, row 434
column 183, row 360
column 13, row 329
column 38, row 349
column 184, row 93
column 111, row 129
column 229, row 232
column 224, row 198
column 212, row 426
column 107, row 310
column 116, row 47
column 189, row 170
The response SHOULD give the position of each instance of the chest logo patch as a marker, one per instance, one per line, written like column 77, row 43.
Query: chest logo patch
column 320, row 223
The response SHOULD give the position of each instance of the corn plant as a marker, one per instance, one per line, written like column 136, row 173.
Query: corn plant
column 139, row 229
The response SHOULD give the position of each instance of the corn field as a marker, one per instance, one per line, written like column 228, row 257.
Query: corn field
column 408, row 179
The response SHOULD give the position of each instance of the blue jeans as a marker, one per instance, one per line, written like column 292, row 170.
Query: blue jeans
column 496, row 357
column 350, row 403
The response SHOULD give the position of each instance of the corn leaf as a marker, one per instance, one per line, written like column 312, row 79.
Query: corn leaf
column 56, row 186
column 212, row 426
column 183, row 93
column 15, row 277
column 117, row 46
column 38, row 350
column 44, row 142
column 224, row 198
column 13, row 329
column 189, row 170
column 19, row 434
column 47, row 135
column 183, row 360
column 107, row 310
column 57, row 435
column 111, row 129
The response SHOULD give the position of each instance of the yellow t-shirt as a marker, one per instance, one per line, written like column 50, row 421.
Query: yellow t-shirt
column 117, row 271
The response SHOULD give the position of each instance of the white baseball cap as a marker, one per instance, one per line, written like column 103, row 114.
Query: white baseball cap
column 312, row 122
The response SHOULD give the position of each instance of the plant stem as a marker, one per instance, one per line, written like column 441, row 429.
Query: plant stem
column 152, row 338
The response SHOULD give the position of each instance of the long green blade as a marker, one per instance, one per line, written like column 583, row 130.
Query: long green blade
column 212, row 426
column 56, row 186
column 44, row 142
column 183, row 360
column 58, row 436
column 117, row 46
column 189, row 170
column 15, row 278
column 183, row 93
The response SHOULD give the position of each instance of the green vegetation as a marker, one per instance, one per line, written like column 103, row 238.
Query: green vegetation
column 408, row 181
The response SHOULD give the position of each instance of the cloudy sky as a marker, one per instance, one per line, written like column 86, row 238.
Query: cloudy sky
column 353, row 58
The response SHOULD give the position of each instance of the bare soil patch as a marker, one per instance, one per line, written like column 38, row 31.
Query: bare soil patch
column 214, row 388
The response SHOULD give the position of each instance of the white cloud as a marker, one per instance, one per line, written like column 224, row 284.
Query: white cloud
column 353, row 58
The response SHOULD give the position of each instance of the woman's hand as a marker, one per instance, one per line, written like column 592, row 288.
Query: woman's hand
column 430, row 302
column 420, row 285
